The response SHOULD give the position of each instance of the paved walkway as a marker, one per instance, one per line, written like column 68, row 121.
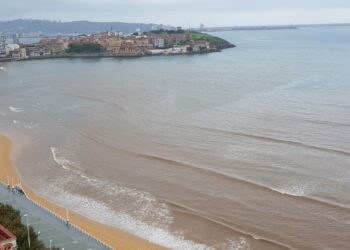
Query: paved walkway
column 49, row 226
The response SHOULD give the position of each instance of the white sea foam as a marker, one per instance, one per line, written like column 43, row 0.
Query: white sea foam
column 16, row 110
column 299, row 189
column 102, row 213
column 3, row 69
column 84, row 176
column 29, row 125
column 294, row 191
column 141, row 204
column 61, row 160
column 136, row 212
column 238, row 244
column 256, row 237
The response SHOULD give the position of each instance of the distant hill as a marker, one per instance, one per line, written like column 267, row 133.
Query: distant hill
column 76, row 27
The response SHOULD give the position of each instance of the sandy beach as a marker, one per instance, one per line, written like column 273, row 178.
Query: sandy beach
column 111, row 236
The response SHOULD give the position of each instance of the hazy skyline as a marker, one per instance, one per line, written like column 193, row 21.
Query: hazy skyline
column 181, row 12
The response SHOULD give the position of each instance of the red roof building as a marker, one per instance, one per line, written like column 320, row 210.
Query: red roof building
column 7, row 239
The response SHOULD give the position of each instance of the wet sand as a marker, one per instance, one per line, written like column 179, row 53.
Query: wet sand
column 111, row 236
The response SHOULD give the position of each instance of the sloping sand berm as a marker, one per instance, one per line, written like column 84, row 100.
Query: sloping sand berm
column 108, row 235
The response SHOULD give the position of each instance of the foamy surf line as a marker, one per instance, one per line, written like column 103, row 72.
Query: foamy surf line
column 113, row 238
column 143, row 202
column 163, row 237
column 29, row 125
column 61, row 161
column 16, row 110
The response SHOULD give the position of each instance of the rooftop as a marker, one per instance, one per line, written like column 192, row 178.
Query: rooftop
column 5, row 234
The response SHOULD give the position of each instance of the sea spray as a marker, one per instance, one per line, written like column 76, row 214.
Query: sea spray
column 16, row 110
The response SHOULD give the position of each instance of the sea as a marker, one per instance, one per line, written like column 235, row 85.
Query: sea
column 248, row 148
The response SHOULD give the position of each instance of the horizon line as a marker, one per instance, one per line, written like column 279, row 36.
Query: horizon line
column 192, row 27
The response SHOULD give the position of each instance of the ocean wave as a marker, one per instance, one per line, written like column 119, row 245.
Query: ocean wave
column 96, row 99
column 298, row 190
column 29, row 125
column 276, row 140
column 61, row 160
column 3, row 69
column 84, row 177
column 102, row 213
column 143, row 205
column 283, row 191
column 238, row 244
column 16, row 110
column 241, row 242
column 137, row 212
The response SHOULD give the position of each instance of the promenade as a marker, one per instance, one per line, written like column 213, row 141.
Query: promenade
column 50, row 227
column 107, row 236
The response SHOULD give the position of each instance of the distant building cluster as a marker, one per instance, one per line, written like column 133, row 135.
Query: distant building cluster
column 2, row 45
column 110, row 44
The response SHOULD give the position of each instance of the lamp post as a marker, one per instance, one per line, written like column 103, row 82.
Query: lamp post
column 50, row 244
column 26, row 215
column 67, row 217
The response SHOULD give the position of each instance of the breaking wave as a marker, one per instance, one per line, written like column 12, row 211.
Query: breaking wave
column 238, row 244
column 16, row 110
column 102, row 213
column 137, row 212
column 277, row 140
column 29, row 125
column 295, row 190
column 61, row 160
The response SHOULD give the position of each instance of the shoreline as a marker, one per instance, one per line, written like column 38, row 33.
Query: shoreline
column 110, row 236
column 101, row 55
column 90, row 56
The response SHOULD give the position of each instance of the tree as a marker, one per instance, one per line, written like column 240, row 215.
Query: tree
column 189, row 49
column 84, row 48
column 11, row 219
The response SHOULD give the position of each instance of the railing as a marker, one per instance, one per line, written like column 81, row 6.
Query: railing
column 64, row 220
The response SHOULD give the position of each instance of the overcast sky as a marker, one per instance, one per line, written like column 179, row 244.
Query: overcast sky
column 182, row 12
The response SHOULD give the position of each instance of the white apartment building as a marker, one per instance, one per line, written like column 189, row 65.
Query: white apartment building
column 2, row 45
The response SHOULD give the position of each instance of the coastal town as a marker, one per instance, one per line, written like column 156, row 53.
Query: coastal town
column 112, row 44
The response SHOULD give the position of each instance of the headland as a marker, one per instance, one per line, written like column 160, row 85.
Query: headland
column 116, row 44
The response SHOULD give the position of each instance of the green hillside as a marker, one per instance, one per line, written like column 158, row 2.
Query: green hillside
column 213, row 40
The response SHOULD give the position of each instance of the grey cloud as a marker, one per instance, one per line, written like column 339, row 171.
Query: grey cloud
column 163, row 11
